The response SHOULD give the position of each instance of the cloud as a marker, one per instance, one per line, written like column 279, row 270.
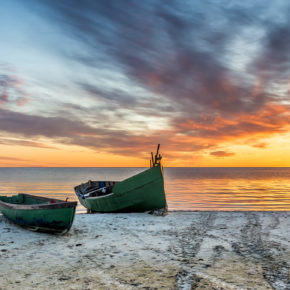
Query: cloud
column 22, row 101
column 21, row 142
column 179, row 50
column 33, row 125
column 211, row 71
column 260, row 145
column 11, row 158
column 4, row 97
column 268, row 120
column 14, row 161
column 75, row 132
column 65, row 131
column 11, row 88
column 116, row 100
column 221, row 153
column 273, row 64
column 172, row 49
column 179, row 141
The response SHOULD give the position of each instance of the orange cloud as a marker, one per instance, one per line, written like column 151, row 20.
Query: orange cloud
column 269, row 120
column 260, row 145
column 221, row 153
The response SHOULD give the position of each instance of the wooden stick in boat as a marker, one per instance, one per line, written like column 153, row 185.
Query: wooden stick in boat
column 153, row 163
column 156, row 155
column 158, row 146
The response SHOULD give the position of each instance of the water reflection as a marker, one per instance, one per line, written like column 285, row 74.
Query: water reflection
column 186, row 188
column 228, row 194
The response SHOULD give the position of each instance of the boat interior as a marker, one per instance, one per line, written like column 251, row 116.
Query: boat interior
column 26, row 199
column 95, row 188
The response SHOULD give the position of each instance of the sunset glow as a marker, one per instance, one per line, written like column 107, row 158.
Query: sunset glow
column 102, row 83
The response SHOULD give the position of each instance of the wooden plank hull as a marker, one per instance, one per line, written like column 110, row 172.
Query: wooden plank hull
column 38, row 213
column 139, row 193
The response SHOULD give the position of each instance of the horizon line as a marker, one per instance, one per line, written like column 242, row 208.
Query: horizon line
column 144, row 167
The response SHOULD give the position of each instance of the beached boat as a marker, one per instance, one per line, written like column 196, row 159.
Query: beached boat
column 139, row 193
column 38, row 213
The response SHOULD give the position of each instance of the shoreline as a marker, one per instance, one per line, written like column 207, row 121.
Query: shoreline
column 183, row 250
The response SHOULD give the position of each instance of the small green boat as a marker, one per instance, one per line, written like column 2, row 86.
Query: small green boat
column 139, row 193
column 38, row 213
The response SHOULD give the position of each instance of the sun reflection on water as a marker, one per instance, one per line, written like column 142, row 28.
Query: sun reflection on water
column 186, row 188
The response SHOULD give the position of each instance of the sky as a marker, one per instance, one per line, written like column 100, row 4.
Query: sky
column 101, row 83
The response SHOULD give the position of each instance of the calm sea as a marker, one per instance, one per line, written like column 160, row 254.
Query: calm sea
column 186, row 188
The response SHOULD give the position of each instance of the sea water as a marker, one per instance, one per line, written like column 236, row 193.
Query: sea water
column 196, row 188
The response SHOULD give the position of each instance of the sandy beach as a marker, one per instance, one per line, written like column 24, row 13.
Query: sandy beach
column 183, row 250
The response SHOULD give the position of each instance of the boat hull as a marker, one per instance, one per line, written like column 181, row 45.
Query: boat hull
column 139, row 193
column 54, row 217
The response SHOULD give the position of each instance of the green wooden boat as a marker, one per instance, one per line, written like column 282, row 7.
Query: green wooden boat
column 139, row 193
column 38, row 213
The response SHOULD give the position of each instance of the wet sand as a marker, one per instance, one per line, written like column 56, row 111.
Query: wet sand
column 184, row 250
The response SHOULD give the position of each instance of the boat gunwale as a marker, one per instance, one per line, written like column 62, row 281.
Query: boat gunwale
column 112, row 193
column 101, row 196
column 60, row 204
column 95, row 181
column 79, row 193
